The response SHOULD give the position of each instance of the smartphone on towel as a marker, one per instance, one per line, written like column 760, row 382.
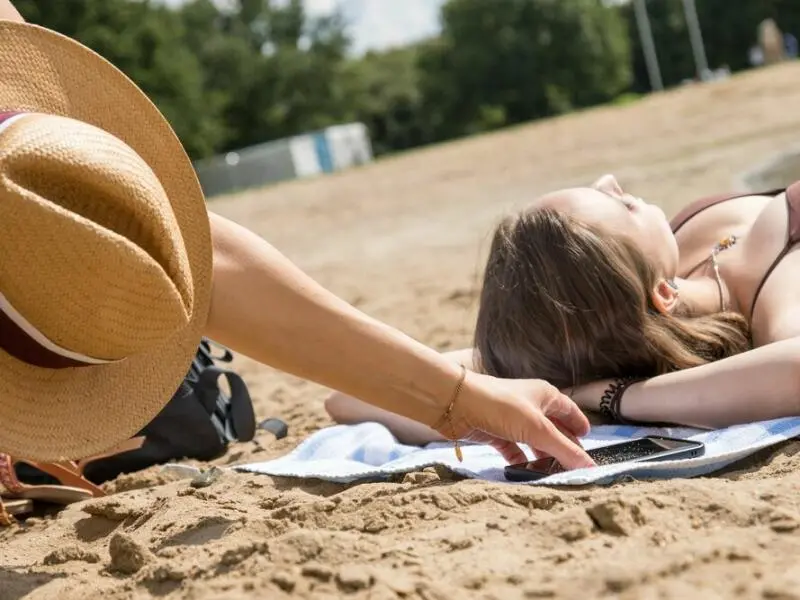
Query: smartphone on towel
column 651, row 448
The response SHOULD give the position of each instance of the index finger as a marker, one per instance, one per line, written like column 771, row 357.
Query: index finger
column 572, row 437
column 546, row 437
column 562, row 407
column 565, row 431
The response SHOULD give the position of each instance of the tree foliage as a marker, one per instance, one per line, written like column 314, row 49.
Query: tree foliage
column 262, row 69
column 532, row 59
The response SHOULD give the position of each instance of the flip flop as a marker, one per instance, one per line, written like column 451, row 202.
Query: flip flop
column 71, row 485
column 10, row 508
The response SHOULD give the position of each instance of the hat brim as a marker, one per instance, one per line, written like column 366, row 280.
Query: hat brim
column 50, row 414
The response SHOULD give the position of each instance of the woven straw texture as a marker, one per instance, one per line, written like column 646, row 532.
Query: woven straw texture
column 104, row 246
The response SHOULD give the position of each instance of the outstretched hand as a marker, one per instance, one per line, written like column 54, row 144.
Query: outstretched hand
column 506, row 412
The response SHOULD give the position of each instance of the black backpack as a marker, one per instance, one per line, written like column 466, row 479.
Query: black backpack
column 198, row 422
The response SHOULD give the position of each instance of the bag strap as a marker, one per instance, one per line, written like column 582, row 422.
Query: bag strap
column 234, row 419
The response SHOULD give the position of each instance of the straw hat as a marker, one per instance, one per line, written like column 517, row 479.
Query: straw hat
column 105, row 251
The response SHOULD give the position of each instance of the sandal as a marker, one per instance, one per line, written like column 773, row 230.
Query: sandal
column 63, row 482
column 10, row 508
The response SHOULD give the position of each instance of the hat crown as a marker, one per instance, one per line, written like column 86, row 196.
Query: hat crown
column 91, row 253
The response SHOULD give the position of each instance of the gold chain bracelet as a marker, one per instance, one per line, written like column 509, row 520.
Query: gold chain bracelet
column 447, row 417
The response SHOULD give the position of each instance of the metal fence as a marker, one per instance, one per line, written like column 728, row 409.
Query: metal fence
column 308, row 155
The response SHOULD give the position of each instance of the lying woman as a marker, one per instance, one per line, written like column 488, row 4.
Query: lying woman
column 694, row 322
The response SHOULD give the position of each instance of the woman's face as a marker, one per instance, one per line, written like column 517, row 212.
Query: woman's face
column 606, row 206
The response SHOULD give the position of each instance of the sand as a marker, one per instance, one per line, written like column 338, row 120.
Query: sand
column 403, row 239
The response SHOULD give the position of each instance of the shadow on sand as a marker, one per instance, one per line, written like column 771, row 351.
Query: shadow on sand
column 16, row 584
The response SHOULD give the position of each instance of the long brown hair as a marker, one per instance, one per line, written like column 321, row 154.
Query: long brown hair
column 568, row 303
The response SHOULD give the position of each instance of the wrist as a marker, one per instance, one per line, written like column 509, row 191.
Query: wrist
column 629, row 406
column 588, row 396
column 427, row 397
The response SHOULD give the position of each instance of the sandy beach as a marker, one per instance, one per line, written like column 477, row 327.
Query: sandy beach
column 404, row 240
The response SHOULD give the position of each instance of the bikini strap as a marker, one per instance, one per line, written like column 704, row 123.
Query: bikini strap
column 691, row 210
column 793, row 206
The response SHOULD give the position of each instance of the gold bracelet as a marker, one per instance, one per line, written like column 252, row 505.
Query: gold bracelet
column 447, row 417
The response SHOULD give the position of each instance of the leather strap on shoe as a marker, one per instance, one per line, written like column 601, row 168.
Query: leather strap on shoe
column 68, row 473
column 6, row 519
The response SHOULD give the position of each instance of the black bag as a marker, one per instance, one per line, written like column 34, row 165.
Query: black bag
column 198, row 422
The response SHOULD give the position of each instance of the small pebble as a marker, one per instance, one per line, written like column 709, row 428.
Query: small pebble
column 67, row 554
column 353, row 578
column 419, row 478
column 206, row 478
column 285, row 581
column 127, row 555
column 317, row 571
column 540, row 592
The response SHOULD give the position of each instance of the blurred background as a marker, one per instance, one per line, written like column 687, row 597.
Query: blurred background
column 268, row 90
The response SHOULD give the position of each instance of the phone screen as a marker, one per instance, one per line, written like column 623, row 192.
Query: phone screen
column 615, row 453
column 627, row 451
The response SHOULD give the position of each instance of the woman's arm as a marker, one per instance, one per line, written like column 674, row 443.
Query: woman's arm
column 9, row 13
column 761, row 384
column 265, row 307
column 348, row 410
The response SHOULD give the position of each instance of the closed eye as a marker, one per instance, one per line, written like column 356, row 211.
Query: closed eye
column 624, row 199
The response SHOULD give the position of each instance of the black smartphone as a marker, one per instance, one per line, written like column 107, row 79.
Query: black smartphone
column 651, row 448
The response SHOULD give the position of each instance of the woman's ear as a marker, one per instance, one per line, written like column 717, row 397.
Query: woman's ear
column 665, row 296
column 608, row 184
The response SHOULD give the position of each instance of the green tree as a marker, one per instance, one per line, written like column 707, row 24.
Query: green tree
column 671, row 38
column 144, row 40
column 532, row 59
column 383, row 92
column 729, row 31
column 274, row 72
column 787, row 14
column 255, row 71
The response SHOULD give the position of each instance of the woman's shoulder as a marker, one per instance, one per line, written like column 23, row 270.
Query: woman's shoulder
column 697, row 206
column 694, row 208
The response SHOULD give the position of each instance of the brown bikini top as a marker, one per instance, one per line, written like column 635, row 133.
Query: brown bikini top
column 793, row 224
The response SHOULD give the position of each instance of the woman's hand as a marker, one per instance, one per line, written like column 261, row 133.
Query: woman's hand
column 505, row 412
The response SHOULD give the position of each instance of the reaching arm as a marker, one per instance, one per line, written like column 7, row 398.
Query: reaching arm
column 348, row 410
column 761, row 384
column 8, row 12
column 265, row 307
